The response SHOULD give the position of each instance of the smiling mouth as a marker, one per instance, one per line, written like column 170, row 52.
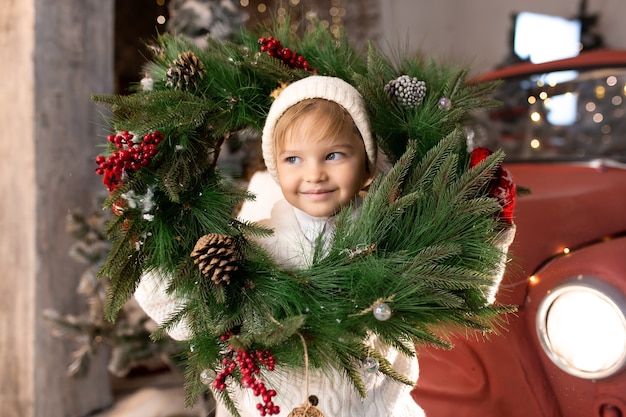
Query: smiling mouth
column 317, row 193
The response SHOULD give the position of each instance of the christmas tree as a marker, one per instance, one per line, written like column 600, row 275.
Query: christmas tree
column 127, row 337
column 417, row 261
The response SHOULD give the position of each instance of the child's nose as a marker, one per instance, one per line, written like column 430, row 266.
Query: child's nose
column 315, row 172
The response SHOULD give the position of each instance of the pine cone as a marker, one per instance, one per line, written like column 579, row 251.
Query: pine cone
column 406, row 91
column 216, row 256
column 184, row 71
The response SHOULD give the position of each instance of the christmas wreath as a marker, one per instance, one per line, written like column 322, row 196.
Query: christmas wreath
column 418, row 259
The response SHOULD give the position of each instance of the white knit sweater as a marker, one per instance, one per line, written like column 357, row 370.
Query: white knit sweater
column 292, row 245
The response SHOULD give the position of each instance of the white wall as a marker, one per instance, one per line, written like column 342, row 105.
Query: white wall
column 477, row 32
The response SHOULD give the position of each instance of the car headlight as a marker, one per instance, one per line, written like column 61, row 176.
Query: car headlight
column 581, row 325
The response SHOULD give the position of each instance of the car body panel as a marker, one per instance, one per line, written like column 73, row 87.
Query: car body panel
column 571, row 225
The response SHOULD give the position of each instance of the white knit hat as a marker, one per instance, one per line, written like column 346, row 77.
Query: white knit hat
column 317, row 86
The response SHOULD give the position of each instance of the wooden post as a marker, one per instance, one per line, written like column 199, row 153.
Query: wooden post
column 53, row 55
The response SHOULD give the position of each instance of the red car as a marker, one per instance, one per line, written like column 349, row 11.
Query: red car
column 563, row 354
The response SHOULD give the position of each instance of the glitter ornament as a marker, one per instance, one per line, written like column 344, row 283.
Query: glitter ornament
column 382, row 312
column 406, row 91
column 370, row 364
column 444, row 103
column 501, row 186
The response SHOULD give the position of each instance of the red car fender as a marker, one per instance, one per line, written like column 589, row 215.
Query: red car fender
column 604, row 261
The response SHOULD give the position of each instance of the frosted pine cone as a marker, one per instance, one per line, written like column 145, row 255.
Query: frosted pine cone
column 216, row 256
column 406, row 91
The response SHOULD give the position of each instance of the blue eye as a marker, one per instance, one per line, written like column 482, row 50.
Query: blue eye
column 292, row 159
column 333, row 156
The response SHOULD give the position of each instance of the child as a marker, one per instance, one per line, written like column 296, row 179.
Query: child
column 318, row 146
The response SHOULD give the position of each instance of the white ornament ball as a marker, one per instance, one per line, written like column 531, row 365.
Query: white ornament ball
column 207, row 376
column 382, row 312
column 370, row 364
column 445, row 103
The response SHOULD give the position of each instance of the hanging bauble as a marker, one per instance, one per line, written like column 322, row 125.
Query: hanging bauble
column 370, row 364
column 308, row 409
column 382, row 312
column 445, row 103
column 207, row 376
column 406, row 91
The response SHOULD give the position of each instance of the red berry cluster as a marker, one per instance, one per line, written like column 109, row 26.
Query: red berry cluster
column 131, row 156
column 248, row 363
column 275, row 49
column 501, row 187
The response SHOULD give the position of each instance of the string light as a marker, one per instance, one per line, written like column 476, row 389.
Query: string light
column 334, row 13
column 535, row 116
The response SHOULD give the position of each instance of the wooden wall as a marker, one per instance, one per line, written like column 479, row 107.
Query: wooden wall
column 53, row 55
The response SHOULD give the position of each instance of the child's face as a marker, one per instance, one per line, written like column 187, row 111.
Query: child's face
column 318, row 174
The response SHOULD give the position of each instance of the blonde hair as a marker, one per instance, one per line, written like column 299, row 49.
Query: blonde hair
column 332, row 119
column 332, row 89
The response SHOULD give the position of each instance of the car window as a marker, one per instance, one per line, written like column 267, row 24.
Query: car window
column 558, row 116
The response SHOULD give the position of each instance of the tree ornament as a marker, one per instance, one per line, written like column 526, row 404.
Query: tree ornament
column 184, row 71
column 207, row 376
column 370, row 364
column 444, row 103
column 406, row 91
column 501, row 186
column 308, row 409
column 216, row 256
column 382, row 312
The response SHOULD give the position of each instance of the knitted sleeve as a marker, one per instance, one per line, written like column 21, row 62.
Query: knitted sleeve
column 503, row 242
column 151, row 294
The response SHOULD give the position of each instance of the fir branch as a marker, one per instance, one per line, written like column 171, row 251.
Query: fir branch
column 427, row 167
column 123, row 281
column 385, row 367
column 370, row 226
column 347, row 361
column 444, row 176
